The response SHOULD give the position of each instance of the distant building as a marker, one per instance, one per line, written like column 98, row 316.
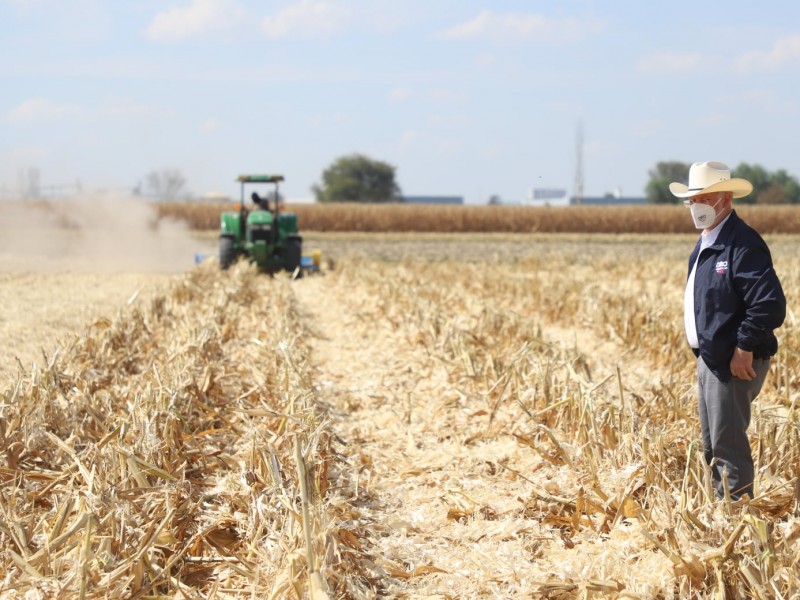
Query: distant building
column 433, row 199
column 547, row 197
column 560, row 197
column 547, row 194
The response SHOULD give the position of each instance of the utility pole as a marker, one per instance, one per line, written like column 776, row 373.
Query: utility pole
column 578, row 192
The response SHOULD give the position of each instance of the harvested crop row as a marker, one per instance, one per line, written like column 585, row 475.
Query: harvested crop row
column 615, row 470
column 162, row 453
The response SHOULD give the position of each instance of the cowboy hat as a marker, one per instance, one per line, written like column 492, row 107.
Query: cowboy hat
column 709, row 177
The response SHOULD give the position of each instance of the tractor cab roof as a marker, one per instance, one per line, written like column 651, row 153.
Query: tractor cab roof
column 260, row 178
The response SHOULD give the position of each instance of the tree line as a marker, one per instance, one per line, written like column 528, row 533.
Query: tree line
column 769, row 187
column 359, row 178
column 350, row 178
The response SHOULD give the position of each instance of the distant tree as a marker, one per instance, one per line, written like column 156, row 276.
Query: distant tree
column 664, row 173
column 768, row 188
column 774, row 194
column 494, row 200
column 789, row 182
column 358, row 178
column 165, row 184
column 755, row 174
column 674, row 170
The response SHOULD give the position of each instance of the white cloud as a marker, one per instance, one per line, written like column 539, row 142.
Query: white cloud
column 39, row 109
column 445, row 96
column 210, row 125
column 27, row 155
column 486, row 61
column 400, row 94
column 670, row 62
column 785, row 52
column 413, row 141
column 766, row 101
column 714, row 120
column 519, row 26
column 566, row 106
column 435, row 96
column 336, row 119
column 26, row 7
column 600, row 148
column 647, row 127
column 449, row 120
column 408, row 138
column 307, row 19
column 199, row 18
column 21, row 4
column 119, row 106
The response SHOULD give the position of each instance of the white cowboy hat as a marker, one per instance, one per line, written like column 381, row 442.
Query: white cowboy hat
column 709, row 177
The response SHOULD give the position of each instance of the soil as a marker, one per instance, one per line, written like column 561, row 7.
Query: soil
column 40, row 311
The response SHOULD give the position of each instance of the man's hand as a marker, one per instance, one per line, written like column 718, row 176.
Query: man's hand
column 742, row 365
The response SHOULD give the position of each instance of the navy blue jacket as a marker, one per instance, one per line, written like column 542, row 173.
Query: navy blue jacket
column 738, row 299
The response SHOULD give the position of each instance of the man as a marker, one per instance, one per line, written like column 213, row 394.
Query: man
column 262, row 203
column 732, row 304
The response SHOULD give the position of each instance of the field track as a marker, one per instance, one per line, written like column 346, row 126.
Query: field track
column 475, row 418
column 442, row 517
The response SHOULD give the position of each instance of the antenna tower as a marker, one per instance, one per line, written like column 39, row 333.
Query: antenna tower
column 578, row 195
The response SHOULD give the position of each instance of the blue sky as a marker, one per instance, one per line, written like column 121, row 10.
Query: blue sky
column 463, row 97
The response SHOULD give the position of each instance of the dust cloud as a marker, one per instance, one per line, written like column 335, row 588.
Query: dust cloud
column 103, row 233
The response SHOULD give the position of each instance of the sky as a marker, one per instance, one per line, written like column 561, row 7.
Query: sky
column 463, row 97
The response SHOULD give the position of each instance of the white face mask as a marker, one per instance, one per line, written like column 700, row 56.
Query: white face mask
column 703, row 215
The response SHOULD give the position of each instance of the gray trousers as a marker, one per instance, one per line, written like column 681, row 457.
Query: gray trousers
column 724, row 417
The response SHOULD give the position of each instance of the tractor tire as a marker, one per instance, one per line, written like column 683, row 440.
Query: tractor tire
column 227, row 252
column 293, row 253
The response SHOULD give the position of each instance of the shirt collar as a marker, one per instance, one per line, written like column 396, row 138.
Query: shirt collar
column 707, row 239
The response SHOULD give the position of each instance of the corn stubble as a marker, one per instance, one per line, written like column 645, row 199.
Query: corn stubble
column 160, row 453
column 182, row 449
column 618, row 477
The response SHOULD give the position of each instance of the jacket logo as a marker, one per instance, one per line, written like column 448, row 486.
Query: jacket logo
column 721, row 267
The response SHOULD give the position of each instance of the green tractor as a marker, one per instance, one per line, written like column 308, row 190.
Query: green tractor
column 263, row 234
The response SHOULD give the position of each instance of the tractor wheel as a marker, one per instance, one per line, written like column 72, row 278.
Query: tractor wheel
column 293, row 253
column 227, row 252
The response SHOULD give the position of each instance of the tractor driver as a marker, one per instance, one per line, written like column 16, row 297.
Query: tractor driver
column 259, row 201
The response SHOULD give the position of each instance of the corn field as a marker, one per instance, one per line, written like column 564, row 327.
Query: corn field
column 439, row 423
column 380, row 218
